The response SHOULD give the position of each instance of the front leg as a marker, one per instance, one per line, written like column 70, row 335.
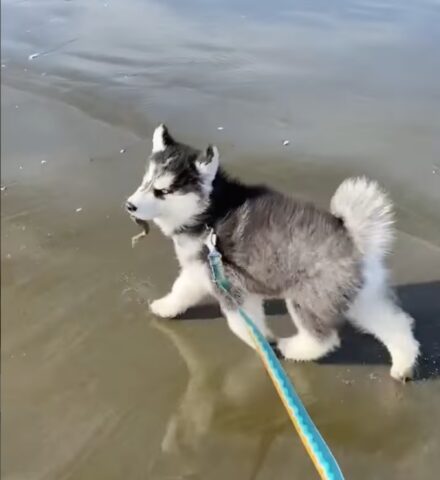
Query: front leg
column 189, row 288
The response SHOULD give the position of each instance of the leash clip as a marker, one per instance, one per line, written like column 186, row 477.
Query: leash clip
column 211, row 241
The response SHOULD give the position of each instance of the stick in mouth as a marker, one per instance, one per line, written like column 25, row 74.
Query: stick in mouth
column 146, row 229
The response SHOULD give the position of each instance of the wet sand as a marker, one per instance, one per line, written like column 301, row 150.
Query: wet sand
column 93, row 387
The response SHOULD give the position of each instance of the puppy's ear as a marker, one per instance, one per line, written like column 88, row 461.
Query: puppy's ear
column 207, row 163
column 161, row 138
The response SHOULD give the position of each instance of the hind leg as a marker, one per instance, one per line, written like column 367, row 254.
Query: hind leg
column 375, row 312
column 310, row 343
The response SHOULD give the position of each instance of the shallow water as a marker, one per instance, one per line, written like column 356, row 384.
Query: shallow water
column 92, row 385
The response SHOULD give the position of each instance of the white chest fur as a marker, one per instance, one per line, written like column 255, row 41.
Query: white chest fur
column 187, row 248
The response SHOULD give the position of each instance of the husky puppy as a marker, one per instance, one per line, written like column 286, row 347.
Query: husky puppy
column 327, row 265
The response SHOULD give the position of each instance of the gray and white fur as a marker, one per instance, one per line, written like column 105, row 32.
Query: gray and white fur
column 327, row 265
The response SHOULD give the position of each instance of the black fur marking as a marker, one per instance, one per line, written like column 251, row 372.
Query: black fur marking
column 179, row 159
column 175, row 154
column 227, row 195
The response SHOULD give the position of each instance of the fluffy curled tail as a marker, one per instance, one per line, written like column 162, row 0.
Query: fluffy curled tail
column 367, row 213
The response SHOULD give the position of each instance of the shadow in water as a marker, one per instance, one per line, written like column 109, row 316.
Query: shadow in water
column 421, row 300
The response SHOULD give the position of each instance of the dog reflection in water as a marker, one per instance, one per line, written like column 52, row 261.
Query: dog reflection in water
column 225, row 395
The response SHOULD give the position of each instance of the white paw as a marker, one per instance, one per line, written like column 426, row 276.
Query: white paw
column 405, row 361
column 165, row 307
column 303, row 347
column 402, row 374
column 287, row 347
column 403, row 369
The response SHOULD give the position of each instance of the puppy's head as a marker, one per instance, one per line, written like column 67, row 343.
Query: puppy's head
column 177, row 183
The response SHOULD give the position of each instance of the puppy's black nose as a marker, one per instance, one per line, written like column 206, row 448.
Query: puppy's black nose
column 130, row 207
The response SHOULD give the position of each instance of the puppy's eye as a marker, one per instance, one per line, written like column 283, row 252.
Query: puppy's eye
column 161, row 192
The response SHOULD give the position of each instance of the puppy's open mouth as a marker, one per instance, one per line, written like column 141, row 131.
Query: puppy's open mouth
column 142, row 223
column 145, row 230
